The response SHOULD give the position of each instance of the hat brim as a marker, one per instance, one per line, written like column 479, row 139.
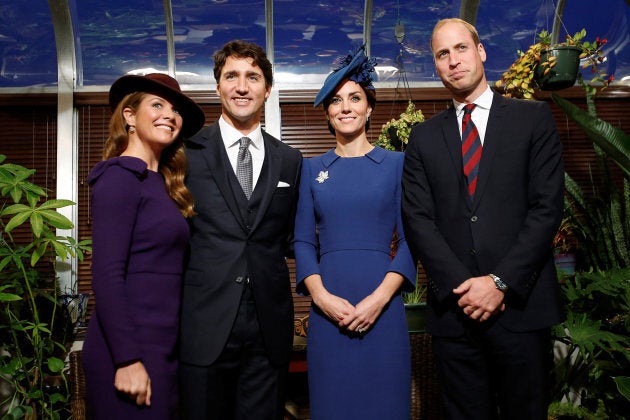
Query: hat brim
column 192, row 114
column 333, row 79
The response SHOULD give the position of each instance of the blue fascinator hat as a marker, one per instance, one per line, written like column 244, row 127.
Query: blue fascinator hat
column 357, row 67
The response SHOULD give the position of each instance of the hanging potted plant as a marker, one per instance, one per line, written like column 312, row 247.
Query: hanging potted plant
column 395, row 133
column 552, row 67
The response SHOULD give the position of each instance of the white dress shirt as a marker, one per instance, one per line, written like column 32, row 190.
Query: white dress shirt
column 231, row 138
column 479, row 115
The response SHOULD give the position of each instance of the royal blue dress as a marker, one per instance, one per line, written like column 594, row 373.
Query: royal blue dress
column 139, row 240
column 354, row 206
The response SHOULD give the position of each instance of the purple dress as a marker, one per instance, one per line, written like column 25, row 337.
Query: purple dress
column 354, row 204
column 139, row 240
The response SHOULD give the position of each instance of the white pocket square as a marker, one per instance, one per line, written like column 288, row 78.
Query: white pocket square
column 283, row 184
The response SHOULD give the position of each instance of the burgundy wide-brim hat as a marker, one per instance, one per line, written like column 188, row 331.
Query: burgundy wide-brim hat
column 164, row 86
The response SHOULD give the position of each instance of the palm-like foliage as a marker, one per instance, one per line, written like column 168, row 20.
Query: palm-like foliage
column 597, row 338
column 33, row 326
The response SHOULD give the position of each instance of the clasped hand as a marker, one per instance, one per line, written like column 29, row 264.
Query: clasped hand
column 479, row 298
column 357, row 318
column 134, row 381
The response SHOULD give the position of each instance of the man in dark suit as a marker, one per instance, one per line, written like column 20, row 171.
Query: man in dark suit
column 482, row 229
column 237, row 309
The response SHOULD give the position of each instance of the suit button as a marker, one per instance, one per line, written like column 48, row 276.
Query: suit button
column 474, row 219
column 473, row 252
column 239, row 279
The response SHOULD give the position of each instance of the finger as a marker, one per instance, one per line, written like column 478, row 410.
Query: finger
column 462, row 288
column 148, row 398
column 476, row 314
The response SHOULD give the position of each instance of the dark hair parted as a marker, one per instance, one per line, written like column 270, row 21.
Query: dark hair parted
column 370, row 94
column 172, row 160
column 243, row 49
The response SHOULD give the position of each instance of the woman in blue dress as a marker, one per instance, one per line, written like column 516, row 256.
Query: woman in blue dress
column 140, row 235
column 358, row 351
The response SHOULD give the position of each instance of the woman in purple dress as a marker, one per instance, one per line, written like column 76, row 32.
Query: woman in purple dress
column 140, row 234
column 359, row 364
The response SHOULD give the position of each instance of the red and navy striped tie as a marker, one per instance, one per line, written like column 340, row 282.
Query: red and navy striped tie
column 471, row 149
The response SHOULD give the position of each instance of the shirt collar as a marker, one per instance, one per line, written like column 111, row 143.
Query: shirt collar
column 483, row 101
column 231, row 135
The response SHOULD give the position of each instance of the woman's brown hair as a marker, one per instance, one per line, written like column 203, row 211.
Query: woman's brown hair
column 172, row 164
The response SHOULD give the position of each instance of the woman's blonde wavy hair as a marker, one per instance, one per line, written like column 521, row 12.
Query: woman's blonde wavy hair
column 172, row 161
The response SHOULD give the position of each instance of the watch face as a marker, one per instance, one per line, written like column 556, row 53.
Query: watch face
column 499, row 283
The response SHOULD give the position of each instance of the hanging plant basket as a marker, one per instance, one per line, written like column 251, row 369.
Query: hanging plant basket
column 558, row 68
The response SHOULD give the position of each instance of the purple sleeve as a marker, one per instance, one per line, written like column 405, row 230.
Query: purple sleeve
column 115, row 202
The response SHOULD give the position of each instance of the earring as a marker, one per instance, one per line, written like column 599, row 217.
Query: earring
column 132, row 129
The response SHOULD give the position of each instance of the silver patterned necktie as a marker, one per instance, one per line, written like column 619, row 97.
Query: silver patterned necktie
column 244, row 166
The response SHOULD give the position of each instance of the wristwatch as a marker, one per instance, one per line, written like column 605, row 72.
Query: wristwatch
column 498, row 283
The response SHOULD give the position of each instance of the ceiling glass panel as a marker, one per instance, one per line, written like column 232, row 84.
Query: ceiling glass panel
column 310, row 36
column 203, row 27
column 114, row 37
column 29, row 56
column 118, row 37
column 413, row 22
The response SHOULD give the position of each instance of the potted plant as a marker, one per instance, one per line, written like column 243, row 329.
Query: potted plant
column 416, row 308
column 34, row 328
column 553, row 67
column 565, row 244
column 394, row 134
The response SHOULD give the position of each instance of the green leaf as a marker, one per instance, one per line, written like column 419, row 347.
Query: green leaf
column 56, row 219
column 623, row 385
column 8, row 297
column 38, row 252
column 37, row 224
column 15, row 208
column 16, row 221
column 612, row 140
column 55, row 364
column 57, row 397
column 56, row 204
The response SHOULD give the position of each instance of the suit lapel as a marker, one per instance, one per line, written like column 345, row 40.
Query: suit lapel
column 490, row 143
column 269, row 177
column 218, row 164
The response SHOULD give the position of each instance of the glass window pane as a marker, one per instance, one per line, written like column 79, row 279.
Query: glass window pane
column 29, row 55
column 118, row 37
column 310, row 36
column 203, row 27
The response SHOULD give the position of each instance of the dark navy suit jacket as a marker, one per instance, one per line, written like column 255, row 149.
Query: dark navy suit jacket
column 232, row 238
column 507, row 229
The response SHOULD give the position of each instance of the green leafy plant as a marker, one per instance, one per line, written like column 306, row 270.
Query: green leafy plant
column 395, row 133
column 34, row 328
column 519, row 80
column 602, row 214
column 418, row 295
column 595, row 363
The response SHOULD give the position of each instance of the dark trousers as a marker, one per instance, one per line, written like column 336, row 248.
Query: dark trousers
column 242, row 383
column 492, row 373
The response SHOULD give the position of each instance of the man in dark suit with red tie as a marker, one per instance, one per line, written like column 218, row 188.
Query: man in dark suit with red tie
column 237, row 308
column 482, row 198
